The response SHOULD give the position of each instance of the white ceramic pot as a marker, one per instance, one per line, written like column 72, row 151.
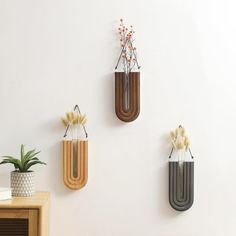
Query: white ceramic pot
column 22, row 184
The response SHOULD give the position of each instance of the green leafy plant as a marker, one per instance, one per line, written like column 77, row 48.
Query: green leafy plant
column 26, row 161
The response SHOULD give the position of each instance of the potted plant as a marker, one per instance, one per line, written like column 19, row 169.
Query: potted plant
column 127, row 80
column 22, row 178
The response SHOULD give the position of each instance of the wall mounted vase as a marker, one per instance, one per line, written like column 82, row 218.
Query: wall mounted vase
column 75, row 150
column 75, row 163
column 181, row 184
column 127, row 95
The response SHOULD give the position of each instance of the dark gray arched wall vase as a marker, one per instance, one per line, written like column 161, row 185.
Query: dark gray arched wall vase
column 181, row 184
column 127, row 95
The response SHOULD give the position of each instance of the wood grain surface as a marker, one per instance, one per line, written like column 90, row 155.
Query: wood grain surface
column 75, row 163
column 127, row 112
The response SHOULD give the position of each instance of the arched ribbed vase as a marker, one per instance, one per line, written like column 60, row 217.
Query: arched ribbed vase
column 75, row 163
column 133, row 89
column 181, row 185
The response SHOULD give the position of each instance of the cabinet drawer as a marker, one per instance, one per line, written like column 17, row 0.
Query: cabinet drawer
column 19, row 222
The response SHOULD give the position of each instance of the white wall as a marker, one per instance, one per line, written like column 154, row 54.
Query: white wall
column 56, row 53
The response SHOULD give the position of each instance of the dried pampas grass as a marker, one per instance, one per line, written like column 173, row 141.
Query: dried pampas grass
column 179, row 139
column 74, row 122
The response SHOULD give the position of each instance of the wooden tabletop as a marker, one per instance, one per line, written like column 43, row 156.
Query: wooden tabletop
column 36, row 201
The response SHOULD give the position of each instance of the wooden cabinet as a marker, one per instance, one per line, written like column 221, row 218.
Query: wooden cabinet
column 25, row 216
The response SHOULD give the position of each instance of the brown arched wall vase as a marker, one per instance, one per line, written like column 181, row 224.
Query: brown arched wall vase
column 127, row 110
column 75, row 163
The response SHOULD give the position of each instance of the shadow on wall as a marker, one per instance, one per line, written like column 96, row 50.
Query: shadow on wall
column 109, row 101
column 163, row 205
column 55, row 161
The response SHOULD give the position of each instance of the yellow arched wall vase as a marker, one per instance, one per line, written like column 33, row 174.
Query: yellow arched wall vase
column 75, row 163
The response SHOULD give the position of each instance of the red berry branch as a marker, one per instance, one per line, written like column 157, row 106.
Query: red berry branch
column 128, row 55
